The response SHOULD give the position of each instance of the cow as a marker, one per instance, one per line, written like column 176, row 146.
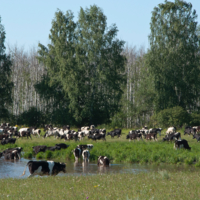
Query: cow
column 103, row 161
column 155, row 130
column 25, row 134
column 151, row 136
column 116, row 132
column 77, row 153
column 197, row 128
column 89, row 146
column 181, row 144
column 134, row 136
column 172, row 136
column 197, row 136
column 12, row 155
column 53, row 148
column 19, row 149
column 171, row 130
column 36, row 132
column 4, row 136
column 86, row 155
column 62, row 145
column 9, row 140
column 97, row 136
column 38, row 149
column 43, row 168
column 189, row 130
column 52, row 132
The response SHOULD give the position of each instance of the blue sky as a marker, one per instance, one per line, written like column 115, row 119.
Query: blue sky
column 28, row 22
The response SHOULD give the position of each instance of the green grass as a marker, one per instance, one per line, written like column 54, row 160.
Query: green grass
column 152, row 185
column 118, row 150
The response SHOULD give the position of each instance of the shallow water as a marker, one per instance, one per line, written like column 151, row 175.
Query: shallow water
column 13, row 169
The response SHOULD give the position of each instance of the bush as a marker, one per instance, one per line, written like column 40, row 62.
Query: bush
column 175, row 116
column 28, row 155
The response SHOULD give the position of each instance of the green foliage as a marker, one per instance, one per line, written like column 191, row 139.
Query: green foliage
column 175, row 116
column 84, row 66
column 173, row 58
column 195, row 119
column 6, row 84
column 28, row 155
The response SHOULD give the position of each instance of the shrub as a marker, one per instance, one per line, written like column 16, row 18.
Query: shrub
column 28, row 155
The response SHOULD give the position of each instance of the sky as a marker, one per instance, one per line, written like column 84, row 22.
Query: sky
column 28, row 22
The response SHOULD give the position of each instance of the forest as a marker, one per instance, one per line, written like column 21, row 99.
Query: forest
column 86, row 75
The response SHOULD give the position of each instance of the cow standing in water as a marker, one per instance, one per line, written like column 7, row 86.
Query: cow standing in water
column 43, row 168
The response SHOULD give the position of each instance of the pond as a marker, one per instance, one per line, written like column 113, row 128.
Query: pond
column 13, row 169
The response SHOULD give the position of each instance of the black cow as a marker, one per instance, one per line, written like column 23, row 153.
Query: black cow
column 53, row 148
column 43, row 168
column 181, row 144
column 116, row 132
column 9, row 140
column 134, row 136
column 38, row 149
column 97, row 136
column 103, row 161
column 62, row 145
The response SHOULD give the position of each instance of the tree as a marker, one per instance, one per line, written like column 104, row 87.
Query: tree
column 173, row 57
column 85, row 61
column 6, row 84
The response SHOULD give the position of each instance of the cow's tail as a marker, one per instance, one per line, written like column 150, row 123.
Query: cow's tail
column 24, row 170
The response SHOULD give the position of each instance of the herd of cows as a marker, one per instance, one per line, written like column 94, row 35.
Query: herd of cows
column 53, row 168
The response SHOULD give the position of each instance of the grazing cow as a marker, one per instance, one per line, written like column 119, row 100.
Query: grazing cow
column 38, row 149
column 197, row 136
column 116, row 132
column 52, row 132
column 89, row 146
column 62, row 145
column 77, row 153
column 134, row 136
column 155, row 130
column 13, row 155
column 43, row 168
column 9, row 140
column 181, row 144
column 86, row 155
column 103, row 161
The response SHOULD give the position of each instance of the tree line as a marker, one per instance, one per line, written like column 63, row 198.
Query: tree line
column 86, row 75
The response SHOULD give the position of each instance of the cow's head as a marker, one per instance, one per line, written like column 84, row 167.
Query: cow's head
column 128, row 136
column 63, row 167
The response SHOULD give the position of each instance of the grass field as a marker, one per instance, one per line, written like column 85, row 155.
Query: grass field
column 118, row 150
column 159, row 184
column 153, row 185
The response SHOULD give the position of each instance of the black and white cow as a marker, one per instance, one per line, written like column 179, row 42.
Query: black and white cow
column 172, row 136
column 134, row 136
column 19, row 149
column 12, row 155
column 86, row 155
column 62, row 145
column 103, row 161
column 43, row 168
column 77, row 153
column 178, row 144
